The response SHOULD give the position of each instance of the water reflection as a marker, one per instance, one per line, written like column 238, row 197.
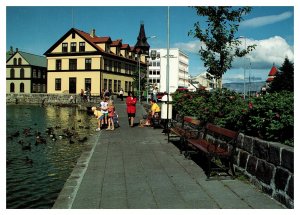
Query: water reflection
column 36, row 172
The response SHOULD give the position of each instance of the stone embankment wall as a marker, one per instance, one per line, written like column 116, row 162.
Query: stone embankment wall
column 44, row 99
column 269, row 166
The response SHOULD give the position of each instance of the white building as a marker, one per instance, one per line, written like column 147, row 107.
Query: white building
column 202, row 81
column 178, row 69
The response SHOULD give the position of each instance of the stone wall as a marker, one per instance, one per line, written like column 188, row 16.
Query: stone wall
column 269, row 166
column 44, row 98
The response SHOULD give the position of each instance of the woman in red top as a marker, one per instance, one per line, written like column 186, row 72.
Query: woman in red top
column 131, row 109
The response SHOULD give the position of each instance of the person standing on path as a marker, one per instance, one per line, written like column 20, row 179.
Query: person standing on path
column 131, row 107
column 154, row 92
column 121, row 94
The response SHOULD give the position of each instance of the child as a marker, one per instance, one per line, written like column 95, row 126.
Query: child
column 111, row 113
column 99, row 115
column 104, row 106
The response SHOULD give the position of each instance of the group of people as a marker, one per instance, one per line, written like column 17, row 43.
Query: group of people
column 106, row 112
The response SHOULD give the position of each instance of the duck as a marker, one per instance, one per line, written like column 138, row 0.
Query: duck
column 26, row 147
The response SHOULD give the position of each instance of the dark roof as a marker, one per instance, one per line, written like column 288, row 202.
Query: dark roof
column 270, row 79
column 142, row 40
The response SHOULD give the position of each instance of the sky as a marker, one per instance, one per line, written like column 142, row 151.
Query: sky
column 34, row 29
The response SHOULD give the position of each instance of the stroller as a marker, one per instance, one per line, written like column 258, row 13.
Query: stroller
column 116, row 120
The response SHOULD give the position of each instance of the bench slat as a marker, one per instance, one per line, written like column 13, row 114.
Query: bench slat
column 222, row 131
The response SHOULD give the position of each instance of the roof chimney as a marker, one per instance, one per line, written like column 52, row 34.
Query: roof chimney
column 17, row 49
column 93, row 33
column 11, row 51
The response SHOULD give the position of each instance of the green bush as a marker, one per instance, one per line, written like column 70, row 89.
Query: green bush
column 270, row 117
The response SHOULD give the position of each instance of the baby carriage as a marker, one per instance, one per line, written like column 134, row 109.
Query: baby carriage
column 116, row 120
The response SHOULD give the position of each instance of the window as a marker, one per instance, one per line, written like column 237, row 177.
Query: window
column 73, row 35
column 34, row 73
column 81, row 46
column 88, row 64
column 110, row 65
column 39, row 88
column 39, row 73
column 15, row 61
column 12, row 87
column 58, row 64
column 126, row 68
column 73, row 46
column 105, row 84
column 119, row 67
column 20, row 61
column 158, row 73
column 22, row 73
column 126, row 86
column 12, row 73
column 65, row 47
column 115, row 85
column 34, row 88
column 109, row 84
column 119, row 85
column 87, row 83
column 115, row 66
column 158, row 63
column 57, row 83
column 158, row 80
column 72, row 64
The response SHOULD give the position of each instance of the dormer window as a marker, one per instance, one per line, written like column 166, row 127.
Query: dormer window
column 20, row 61
column 81, row 46
column 73, row 46
column 64, row 47
column 73, row 35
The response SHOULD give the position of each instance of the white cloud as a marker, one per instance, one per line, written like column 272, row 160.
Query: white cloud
column 266, row 20
column 191, row 46
column 268, row 51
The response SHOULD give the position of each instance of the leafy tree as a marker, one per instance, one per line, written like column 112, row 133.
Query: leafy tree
column 218, row 36
column 284, row 80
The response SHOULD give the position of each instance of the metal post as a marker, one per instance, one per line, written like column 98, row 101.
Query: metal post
column 139, row 78
column 168, row 66
column 245, row 72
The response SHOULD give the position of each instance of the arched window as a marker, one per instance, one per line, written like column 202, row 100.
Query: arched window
column 21, row 87
column 34, row 88
column 15, row 61
column 12, row 87
column 12, row 73
column 22, row 75
column 20, row 61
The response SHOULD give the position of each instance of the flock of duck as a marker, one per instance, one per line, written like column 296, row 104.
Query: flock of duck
column 50, row 135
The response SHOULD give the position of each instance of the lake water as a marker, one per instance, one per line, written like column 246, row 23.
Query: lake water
column 36, row 181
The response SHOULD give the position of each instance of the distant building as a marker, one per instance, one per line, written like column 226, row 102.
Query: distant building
column 80, row 60
column 203, row 81
column 25, row 72
column 178, row 69
column 272, row 74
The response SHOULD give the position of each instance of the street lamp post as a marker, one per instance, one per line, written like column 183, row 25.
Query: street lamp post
column 244, row 68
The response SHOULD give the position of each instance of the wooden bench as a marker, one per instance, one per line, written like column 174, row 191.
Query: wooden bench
column 189, row 127
column 216, row 143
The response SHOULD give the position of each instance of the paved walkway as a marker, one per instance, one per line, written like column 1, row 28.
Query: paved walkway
column 133, row 168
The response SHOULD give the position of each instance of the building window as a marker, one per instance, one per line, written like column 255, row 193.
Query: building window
column 22, row 73
column 130, row 86
column 58, row 64
column 73, row 35
column 81, row 46
column 34, row 88
column 158, row 73
column 12, row 73
column 115, row 85
column 119, row 85
column 39, row 88
column 15, row 61
column 105, row 84
column 126, row 86
column 22, row 87
column 87, row 83
column 57, row 83
column 119, row 67
column 115, row 66
column 105, row 65
column 88, row 64
column 73, row 46
column 64, row 47
column 20, row 61
column 39, row 73
column 158, row 63
column 110, row 65
column 34, row 73
column 126, row 68
column 109, row 84
column 72, row 64
column 12, row 87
